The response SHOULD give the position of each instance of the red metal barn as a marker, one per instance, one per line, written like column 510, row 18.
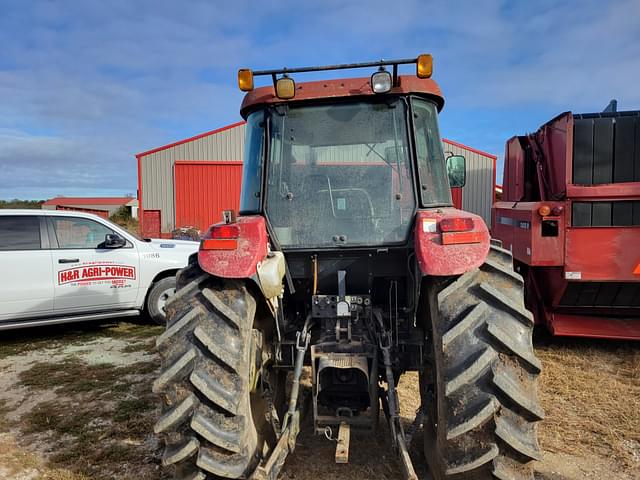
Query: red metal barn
column 190, row 182
column 101, row 206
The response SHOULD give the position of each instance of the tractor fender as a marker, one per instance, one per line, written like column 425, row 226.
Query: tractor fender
column 439, row 259
column 248, row 250
column 250, row 259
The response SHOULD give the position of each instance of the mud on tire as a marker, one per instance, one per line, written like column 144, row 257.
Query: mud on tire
column 480, row 398
column 204, row 384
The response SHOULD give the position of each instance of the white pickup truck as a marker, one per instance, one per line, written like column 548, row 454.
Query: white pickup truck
column 64, row 266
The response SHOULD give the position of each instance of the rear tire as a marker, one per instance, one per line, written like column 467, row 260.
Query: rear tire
column 479, row 394
column 213, row 420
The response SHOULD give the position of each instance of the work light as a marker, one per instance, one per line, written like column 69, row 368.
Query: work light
column 285, row 88
column 424, row 66
column 245, row 79
column 381, row 81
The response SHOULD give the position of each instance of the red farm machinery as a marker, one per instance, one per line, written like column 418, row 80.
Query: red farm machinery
column 348, row 259
column 570, row 215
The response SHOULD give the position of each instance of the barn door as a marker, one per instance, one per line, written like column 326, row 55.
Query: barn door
column 151, row 224
column 204, row 190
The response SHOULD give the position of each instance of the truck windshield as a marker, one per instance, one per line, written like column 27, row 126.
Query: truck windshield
column 340, row 175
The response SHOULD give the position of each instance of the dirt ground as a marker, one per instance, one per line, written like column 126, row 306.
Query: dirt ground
column 75, row 404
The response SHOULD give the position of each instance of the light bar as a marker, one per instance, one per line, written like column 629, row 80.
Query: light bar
column 424, row 68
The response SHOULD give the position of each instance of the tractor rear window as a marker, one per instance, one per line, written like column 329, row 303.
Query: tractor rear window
column 340, row 175
column 434, row 188
column 252, row 166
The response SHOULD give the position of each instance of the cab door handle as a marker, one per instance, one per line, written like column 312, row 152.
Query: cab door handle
column 68, row 260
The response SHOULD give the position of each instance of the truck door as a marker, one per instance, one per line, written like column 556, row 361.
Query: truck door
column 87, row 276
column 26, row 286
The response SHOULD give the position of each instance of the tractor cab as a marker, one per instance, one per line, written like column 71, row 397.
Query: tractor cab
column 344, row 163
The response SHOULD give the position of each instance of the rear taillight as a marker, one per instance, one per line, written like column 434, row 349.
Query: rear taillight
column 458, row 238
column 225, row 231
column 456, row 224
column 459, row 230
column 223, row 237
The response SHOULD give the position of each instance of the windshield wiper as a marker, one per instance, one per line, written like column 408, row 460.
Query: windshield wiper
column 372, row 149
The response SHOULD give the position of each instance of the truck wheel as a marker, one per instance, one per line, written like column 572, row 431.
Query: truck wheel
column 157, row 299
column 479, row 392
column 213, row 421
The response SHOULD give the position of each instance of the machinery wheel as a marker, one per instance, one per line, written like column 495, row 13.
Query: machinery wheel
column 157, row 299
column 213, row 416
column 479, row 393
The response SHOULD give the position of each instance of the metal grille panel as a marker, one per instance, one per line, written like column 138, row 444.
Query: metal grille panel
column 602, row 294
column 606, row 214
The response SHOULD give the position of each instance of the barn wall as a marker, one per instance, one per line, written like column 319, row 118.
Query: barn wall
column 157, row 169
column 477, row 194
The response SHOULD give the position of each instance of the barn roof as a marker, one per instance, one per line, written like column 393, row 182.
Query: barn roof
column 190, row 139
column 88, row 201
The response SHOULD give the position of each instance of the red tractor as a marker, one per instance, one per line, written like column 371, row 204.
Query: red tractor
column 347, row 257
column 570, row 214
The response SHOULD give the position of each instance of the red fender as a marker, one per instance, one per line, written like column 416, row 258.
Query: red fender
column 236, row 256
column 449, row 253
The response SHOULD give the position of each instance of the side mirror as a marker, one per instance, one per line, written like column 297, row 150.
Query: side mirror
column 113, row 240
column 457, row 170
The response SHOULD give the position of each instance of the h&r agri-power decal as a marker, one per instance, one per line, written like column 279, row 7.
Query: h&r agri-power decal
column 96, row 272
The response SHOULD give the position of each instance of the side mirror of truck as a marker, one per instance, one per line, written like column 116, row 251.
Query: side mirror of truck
column 113, row 240
column 457, row 170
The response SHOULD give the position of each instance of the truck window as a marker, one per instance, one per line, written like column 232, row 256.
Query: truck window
column 19, row 232
column 79, row 232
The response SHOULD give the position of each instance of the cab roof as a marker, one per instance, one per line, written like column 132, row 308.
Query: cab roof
column 342, row 88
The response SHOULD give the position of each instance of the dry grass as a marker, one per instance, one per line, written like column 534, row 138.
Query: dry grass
column 590, row 391
column 73, row 376
column 95, row 420
column 99, row 426
column 100, row 433
column 16, row 461
column 15, row 342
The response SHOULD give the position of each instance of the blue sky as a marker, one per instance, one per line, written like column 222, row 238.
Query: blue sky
column 84, row 85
